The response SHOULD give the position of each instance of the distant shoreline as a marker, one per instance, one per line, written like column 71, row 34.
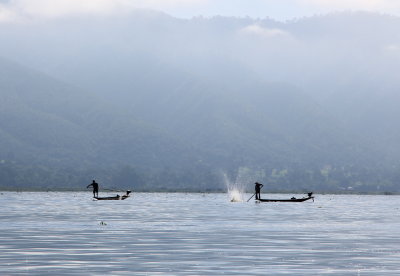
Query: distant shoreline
column 200, row 192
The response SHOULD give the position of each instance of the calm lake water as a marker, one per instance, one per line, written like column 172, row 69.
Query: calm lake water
column 197, row 234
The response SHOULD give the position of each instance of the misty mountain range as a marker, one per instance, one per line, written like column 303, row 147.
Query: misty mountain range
column 308, row 98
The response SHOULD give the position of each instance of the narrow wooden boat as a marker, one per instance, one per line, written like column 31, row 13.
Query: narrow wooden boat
column 286, row 200
column 117, row 197
column 293, row 199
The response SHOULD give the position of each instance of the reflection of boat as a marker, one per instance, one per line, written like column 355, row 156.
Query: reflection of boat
column 293, row 199
column 117, row 197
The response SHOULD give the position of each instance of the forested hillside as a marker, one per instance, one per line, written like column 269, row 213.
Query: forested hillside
column 158, row 103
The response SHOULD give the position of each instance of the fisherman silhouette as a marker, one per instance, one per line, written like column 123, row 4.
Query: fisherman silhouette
column 258, row 190
column 95, row 188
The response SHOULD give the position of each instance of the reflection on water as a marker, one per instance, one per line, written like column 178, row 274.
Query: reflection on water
column 197, row 234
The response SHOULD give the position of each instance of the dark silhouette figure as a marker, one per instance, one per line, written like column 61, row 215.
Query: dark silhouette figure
column 258, row 190
column 95, row 188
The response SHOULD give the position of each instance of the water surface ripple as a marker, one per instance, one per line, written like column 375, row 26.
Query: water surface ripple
column 197, row 234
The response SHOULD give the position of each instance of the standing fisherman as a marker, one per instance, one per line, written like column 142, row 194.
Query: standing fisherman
column 95, row 188
column 258, row 190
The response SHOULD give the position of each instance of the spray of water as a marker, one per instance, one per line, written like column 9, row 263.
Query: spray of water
column 236, row 189
column 235, row 195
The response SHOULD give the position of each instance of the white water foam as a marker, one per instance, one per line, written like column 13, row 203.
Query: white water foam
column 237, row 188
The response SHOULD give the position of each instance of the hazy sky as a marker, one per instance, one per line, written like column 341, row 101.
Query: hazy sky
column 14, row 10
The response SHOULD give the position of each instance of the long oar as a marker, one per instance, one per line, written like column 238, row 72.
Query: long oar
column 251, row 197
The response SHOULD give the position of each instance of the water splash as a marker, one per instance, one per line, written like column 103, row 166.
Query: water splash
column 235, row 195
column 236, row 189
column 245, row 178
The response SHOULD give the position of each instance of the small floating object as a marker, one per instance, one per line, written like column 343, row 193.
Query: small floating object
column 103, row 223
